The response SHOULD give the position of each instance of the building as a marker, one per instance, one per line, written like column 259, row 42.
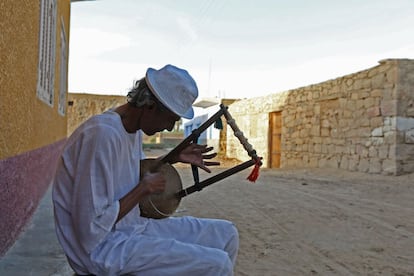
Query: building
column 33, row 82
column 215, row 135
column 82, row 106
column 359, row 122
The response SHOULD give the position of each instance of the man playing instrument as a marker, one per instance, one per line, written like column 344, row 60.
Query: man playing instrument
column 97, row 190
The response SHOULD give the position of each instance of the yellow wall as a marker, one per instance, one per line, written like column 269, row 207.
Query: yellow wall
column 32, row 132
column 27, row 123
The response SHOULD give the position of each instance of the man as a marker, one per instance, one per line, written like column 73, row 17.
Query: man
column 97, row 189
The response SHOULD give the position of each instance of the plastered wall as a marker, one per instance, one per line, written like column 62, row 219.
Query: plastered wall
column 26, row 122
column 359, row 122
column 32, row 132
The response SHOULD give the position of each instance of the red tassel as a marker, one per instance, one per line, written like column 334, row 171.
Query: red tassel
column 255, row 172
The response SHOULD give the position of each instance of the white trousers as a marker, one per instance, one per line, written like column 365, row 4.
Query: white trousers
column 172, row 246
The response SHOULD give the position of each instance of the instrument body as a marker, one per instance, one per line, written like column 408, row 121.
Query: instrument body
column 161, row 205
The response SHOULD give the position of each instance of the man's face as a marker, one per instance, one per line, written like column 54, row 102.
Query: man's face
column 159, row 119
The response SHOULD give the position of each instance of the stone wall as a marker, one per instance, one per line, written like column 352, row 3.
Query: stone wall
column 252, row 118
column 83, row 106
column 359, row 122
column 405, row 117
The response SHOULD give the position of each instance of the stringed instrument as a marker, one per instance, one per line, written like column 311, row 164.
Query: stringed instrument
column 164, row 204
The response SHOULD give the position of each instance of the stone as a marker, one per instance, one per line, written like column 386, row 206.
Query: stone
column 375, row 166
column 389, row 167
column 373, row 111
column 389, row 107
column 363, row 165
column 377, row 132
column 383, row 152
column 376, row 122
column 404, row 123
column 409, row 137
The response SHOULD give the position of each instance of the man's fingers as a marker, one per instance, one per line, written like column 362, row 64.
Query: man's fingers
column 209, row 156
column 202, row 148
column 211, row 163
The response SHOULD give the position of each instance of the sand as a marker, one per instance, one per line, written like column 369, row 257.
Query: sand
column 313, row 222
column 291, row 222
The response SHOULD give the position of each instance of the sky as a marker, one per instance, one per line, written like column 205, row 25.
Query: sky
column 234, row 48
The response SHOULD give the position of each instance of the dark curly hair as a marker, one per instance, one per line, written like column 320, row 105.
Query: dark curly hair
column 140, row 95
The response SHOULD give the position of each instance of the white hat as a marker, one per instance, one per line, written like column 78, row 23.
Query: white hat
column 174, row 88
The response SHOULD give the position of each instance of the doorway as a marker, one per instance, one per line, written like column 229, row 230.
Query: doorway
column 275, row 138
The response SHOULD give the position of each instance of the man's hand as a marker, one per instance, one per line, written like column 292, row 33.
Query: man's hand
column 150, row 183
column 195, row 154
column 153, row 183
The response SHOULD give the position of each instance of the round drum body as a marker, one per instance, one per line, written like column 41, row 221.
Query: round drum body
column 161, row 205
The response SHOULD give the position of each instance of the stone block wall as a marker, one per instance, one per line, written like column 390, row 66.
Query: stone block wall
column 252, row 118
column 83, row 106
column 405, row 117
column 359, row 122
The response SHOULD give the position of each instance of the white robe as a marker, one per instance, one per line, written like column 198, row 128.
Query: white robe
column 99, row 165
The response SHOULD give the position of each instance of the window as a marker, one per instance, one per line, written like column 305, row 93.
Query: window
column 63, row 71
column 47, row 41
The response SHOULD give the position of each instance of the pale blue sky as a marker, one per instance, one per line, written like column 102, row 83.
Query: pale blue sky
column 234, row 48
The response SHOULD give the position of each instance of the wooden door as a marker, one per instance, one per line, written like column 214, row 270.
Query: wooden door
column 275, row 139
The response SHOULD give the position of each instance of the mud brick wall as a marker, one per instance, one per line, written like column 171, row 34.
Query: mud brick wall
column 83, row 106
column 359, row 122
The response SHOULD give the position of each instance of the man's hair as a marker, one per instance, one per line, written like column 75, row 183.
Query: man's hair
column 140, row 94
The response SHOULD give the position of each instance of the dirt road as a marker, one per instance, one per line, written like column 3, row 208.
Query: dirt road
column 291, row 222
column 314, row 222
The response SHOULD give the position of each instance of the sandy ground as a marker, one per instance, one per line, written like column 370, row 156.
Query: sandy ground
column 291, row 222
column 313, row 222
